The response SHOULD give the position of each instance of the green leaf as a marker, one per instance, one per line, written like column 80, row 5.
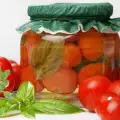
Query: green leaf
column 9, row 95
column 28, row 111
column 26, row 92
column 6, row 106
column 5, row 74
column 10, row 104
column 3, row 85
column 47, row 58
column 24, row 102
column 55, row 107
column 86, row 62
column 3, row 79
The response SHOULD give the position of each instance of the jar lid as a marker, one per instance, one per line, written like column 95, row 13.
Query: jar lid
column 69, row 18
column 67, row 11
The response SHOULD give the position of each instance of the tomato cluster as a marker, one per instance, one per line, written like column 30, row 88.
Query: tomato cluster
column 16, row 68
column 13, row 76
column 98, row 94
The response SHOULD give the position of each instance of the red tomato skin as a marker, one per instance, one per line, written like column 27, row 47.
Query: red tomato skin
column 108, row 107
column 115, row 87
column 12, row 61
column 16, row 72
column 5, row 65
column 91, row 89
column 11, row 83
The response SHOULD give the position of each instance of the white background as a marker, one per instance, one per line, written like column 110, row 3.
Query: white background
column 14, row 13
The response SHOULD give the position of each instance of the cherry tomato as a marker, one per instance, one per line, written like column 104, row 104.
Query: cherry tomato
column 28, row 74
column 12, row 61
column 16, row 72
column 5, row 65
column 91, row 89
column 54, row 84
column 72, row 55
column 115, row 87
column 108, row 107
column 24, row 61
column 11, row 83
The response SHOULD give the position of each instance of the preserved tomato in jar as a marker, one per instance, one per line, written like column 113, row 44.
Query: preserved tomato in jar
column 61, row 48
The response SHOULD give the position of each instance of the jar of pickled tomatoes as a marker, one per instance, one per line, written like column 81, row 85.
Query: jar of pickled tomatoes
column 64, row 44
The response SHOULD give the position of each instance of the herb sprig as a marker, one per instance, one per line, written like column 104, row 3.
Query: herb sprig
column 25, row 102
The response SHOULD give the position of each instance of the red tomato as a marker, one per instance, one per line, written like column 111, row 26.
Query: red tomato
column 28, row 74
column 115, row 87
column 16, row 72
column 54, row 83
column 11, row 83
column 91, row 89
column 5, row 65
column 12, row 61
column 108, row 107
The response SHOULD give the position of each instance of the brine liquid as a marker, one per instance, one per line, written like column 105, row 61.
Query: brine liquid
column 85, row 55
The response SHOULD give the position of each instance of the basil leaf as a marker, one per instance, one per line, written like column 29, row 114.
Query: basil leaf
column 3, row 79
column 3, row 85
column 5, row 74
column 47, row 58
column 14, row 106
column 55, row 107
column 9, row 95
column 4, row 106
column 86, row 62
column 28, row 111
column 26, row 92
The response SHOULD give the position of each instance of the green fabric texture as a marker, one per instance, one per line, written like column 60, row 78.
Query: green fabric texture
column 71, row 17
column 71, row 11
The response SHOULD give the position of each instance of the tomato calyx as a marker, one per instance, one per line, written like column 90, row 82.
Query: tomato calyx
column 4, row 82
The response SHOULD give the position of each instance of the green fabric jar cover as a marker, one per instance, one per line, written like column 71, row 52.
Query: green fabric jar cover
column 69, row 18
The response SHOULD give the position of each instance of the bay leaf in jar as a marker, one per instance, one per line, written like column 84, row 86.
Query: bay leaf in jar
column 47, row 58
